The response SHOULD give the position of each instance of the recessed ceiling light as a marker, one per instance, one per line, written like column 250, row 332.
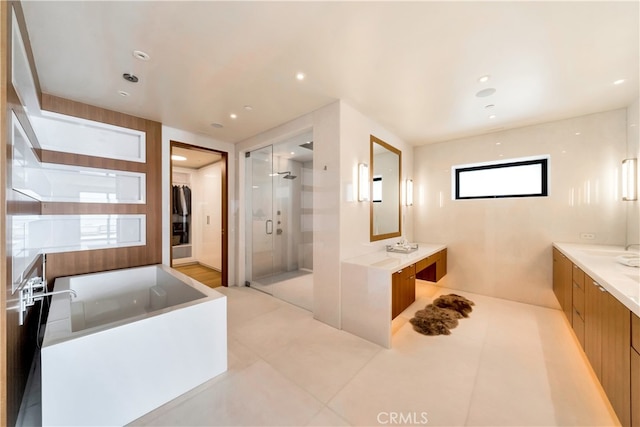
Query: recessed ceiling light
column 216, row 125
column 577, row 133
column 130, row 78
column 300, row 76
column 486, row 92
column 143, row 56
column 498, row 143
column 618, row 82
column 178, row 158
column 492, row 116
column 233, row 116
column 123, row 93
column 292, row 153
column 484, row 78
column 248, row 107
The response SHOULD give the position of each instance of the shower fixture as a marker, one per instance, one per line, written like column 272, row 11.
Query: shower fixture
column 287, row 175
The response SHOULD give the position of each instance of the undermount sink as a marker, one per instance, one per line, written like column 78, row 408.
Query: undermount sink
column 604, row 252
column 388, row 262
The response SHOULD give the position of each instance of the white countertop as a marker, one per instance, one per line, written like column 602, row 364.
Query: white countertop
column 598, row 261
column 393, row 261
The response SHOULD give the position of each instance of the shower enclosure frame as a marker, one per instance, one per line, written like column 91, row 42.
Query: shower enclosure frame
column 273, row 224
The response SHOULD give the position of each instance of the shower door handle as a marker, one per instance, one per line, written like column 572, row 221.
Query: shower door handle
column 268, row 227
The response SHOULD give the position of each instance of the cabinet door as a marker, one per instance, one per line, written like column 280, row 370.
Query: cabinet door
column 396, row 292
column 408, row 286
column 616, row 357
column 594, row 306
column 562, row 282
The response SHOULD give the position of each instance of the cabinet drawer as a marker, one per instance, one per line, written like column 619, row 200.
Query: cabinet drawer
column 407, row 272
column 578, row 276
column 578, row 299
column 426, row 262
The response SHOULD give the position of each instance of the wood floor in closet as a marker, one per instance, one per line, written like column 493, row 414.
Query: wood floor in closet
column 205, row 275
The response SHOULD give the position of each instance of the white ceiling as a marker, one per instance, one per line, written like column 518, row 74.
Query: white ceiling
column 411, row 66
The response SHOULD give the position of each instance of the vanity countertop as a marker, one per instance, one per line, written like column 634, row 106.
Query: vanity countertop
column 392, row 261
column 599, row 262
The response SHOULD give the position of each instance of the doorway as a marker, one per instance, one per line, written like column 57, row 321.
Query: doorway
column 198, row 203
column 279, row 220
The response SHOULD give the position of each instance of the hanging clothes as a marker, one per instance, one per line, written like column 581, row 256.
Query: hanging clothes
column 175, row 199
column 187, row 199
column 181, row 198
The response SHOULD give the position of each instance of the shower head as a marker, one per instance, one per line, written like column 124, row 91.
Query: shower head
column 287, row 175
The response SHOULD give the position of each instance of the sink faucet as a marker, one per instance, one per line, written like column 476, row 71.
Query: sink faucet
column 626, row 248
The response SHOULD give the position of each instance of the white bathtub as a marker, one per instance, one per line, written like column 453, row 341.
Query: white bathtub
column 130, row 341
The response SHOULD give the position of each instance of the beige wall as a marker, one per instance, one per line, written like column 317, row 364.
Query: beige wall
column 502, row 247
column 633, row 150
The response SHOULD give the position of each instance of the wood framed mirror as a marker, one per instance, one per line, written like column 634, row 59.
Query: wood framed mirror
column 384, row 179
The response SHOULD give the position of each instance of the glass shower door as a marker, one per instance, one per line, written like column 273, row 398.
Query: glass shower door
column 260, row 236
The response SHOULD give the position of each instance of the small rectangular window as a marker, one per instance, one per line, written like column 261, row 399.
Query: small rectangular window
column 511, row 178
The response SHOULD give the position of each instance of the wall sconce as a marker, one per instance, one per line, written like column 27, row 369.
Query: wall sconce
column 408, row 192
column 629, row 179
column 363, row 182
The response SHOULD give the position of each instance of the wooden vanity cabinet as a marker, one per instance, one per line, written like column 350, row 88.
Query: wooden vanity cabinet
column 603, row 326
column 432, row 268
column 403, row 289
column 403, row 282
column 562, row 282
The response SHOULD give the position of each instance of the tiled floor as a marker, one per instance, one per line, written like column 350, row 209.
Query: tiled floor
column 295, row 287
column 509, row 364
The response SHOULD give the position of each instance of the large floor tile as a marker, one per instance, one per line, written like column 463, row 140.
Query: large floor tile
column 435, row 377
column 271, row 331
column 323, row 359
column 255, row 396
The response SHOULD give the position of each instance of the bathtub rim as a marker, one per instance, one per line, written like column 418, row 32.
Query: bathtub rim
column 58, row 331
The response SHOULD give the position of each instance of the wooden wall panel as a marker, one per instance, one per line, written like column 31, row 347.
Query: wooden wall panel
column 80, row 262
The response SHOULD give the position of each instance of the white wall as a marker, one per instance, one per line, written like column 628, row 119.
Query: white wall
column 355, row 132
column 172, row 134
column 341, row 138
column 326, row 202
column 633, row 150
column 502, row 247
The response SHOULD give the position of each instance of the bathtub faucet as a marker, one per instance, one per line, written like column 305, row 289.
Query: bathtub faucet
column 35, row 289
column 626, row 248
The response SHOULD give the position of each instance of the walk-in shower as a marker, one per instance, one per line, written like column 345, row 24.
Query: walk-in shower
column 279, row 219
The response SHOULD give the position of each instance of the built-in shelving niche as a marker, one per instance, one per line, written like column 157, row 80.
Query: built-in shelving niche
column 32, row 235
